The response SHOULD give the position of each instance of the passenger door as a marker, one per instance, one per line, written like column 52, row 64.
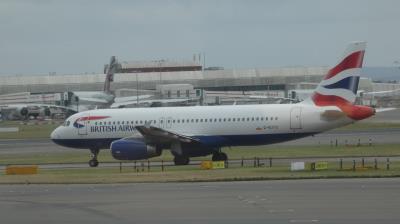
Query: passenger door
column 295, row 118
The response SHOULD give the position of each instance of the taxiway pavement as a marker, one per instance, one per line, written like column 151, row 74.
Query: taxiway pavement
column 292, row 201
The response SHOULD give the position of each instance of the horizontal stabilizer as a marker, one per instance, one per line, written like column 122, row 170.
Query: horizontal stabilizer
column 332, row 114
column 380, row 110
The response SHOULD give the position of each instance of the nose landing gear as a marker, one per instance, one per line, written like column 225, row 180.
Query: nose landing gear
column 94, row 162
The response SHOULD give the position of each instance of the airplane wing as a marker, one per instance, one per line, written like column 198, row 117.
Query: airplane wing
column 159, row 135
column 131, row 98
column 382, row 93
column 134, row 102
column 94, row 100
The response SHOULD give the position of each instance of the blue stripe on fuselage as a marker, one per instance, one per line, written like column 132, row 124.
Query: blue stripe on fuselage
column 210, row 141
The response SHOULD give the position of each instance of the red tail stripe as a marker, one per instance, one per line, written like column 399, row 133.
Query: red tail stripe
column 355, row 112
column 353, row 60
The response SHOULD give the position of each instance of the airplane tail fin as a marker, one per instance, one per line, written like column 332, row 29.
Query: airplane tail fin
column 339, row 86
column 109, row 70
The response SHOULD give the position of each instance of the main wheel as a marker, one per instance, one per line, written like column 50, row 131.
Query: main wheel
column 219, row 156
column 181, row 160
column 223, row 156
column 93, row 163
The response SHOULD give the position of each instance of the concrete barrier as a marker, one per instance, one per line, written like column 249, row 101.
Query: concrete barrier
column 21, row 169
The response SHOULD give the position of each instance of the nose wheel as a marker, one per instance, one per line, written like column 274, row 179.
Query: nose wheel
column 94, row 162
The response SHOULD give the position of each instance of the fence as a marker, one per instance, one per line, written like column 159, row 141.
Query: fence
column 337, row 163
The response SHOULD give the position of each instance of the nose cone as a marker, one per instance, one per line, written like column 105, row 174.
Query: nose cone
column 54, row 134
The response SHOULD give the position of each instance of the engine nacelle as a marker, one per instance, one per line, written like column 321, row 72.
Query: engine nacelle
column 133, row 149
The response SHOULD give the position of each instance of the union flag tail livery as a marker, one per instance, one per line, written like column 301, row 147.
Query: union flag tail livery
column 339, row 86
column 142, row 133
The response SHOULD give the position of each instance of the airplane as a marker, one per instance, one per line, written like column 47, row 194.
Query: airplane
column 142, row 133
column 19, row 105
column 23, row 105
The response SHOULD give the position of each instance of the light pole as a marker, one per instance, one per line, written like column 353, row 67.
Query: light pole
column 137, row 90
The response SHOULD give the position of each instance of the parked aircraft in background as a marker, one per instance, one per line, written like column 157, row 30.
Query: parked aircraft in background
column 142, row 133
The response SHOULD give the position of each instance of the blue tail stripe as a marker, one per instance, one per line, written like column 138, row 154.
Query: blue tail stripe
column 350, row 83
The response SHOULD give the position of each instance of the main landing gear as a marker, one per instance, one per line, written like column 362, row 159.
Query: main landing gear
column 181, row 160
column 219, row 156
column 93, row 162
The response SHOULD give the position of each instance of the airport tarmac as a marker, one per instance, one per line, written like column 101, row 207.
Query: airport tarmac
column 292, row 201
column 378, row 136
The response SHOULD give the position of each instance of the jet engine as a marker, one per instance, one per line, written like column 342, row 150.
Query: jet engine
column 133, row 149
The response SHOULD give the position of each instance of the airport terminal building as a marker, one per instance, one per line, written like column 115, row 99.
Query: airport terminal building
column 150, row 75
column 218, row 80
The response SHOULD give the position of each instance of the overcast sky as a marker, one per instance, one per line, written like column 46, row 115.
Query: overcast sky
column 42, row 36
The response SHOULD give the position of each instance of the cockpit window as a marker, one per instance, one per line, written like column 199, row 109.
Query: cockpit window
column 66, row 123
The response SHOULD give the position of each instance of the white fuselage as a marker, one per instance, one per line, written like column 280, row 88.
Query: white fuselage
column 236, row 124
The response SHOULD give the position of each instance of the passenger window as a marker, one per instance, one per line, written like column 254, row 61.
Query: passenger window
column 233, row 119
column 220, row 120
column 248, row 119
column 266, row 118
column 224, row 119
column 276, row 118
column 257, row 118
column 229, row 119
column 215, row 120
column 262, row 118
column 252, row 118
column 197, row 120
